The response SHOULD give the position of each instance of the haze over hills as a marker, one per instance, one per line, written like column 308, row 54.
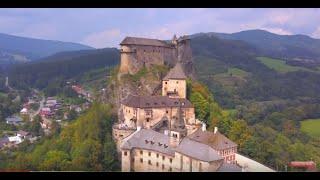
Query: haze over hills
column 280, row 46
column 14, row 49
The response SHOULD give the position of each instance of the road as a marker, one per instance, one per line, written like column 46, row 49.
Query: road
column 41, row 104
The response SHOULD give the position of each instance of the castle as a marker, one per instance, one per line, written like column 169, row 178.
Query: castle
column 142, row 52
column 161, row 133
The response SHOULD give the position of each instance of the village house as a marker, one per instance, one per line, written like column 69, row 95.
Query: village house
column 46, row 112
column 15, row 120
column 24, row 111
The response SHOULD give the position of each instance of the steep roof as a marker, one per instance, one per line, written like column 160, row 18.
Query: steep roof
column 14, row 119
column 197, row 150
column 156, row 102
column 144, row 42
column 150, row 140
column 176, row 73
column 226, row 167
column 216, row 140
column 23, row 133
column 155, row 141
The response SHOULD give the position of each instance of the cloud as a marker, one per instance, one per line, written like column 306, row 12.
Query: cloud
column 278, row 31
column 103, row 39
column 41, row 31
column 316, row 33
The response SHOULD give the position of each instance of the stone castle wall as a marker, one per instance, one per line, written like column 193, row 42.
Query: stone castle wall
column 135, row 57
column 141, row 160
column 155, row 115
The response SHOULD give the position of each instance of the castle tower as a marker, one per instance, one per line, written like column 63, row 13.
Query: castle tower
column 174, row 83
column 185, row 55
column 174, row 40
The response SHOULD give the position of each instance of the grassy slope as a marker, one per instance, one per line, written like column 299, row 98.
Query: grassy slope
column 311, row 127
column 280, row 65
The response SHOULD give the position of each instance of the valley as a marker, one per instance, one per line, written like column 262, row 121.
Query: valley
column 259, row 100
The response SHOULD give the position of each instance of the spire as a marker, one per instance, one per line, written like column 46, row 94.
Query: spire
column 176, row 73
column 174, row 37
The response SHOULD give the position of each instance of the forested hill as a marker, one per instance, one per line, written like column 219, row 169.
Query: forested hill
column 59, row 67
column 22, row 49
column 280, row 46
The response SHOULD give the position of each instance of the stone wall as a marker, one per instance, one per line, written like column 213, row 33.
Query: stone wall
column 141, row 160
column 135, row 57
column 148, row 117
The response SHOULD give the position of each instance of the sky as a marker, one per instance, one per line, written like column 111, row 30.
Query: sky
column 105, row 27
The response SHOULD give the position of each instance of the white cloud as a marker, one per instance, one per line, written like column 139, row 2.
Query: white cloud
column 316, row 33
column 40, row 31
column 103, row 39
column 279, row 31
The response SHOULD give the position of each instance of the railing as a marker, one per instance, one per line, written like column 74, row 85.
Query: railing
column 117, row 126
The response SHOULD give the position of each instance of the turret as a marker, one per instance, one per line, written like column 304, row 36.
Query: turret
column 174, row 40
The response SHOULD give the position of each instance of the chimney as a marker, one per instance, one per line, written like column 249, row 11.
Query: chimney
column 138, row 128
column 215, row 130
column 174, row 139
column 204, row 127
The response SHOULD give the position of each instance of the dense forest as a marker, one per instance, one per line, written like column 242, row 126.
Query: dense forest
column 54, row 71
column 270, row 103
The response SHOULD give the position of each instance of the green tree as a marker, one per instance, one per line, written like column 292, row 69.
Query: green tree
column 201, row 105
column 55, row 161
column 110, row 161
column 239, row 132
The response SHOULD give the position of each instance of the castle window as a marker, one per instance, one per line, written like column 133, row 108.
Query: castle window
column 157, row 155
column 162, row 166
column 149, row 153
column 141, row 160
column 141, row 152
column 166, row 82
column 148, row 119
column 177, row 82
column 157, row 164
column 125, row 153
column 149, row 162
column 163, row 157
column 167, row 112
column 170, row 160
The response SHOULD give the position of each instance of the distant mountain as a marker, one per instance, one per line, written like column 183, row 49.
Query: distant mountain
column 274, row 45
column 59, row 67
column 15, row 49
